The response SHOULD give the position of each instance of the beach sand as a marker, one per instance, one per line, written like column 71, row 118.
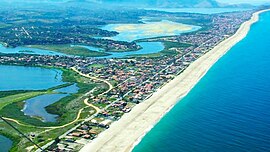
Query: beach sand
column 124, row 134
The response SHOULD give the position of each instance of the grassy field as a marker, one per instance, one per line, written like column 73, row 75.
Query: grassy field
column 67, row 49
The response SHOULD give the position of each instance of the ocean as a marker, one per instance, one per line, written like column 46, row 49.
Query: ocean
column 229, row 109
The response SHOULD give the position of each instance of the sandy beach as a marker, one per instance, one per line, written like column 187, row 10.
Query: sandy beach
column 124, row 134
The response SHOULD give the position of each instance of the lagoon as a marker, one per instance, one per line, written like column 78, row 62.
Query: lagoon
column 131, row 32
column 28, row 78
column 228, row 110
column 147, row 48
column 35, row 107
column 27, row 50
column 127, row 32
column 5, row 144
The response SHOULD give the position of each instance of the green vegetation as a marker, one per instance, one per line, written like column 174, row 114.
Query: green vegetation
column 169, row 45
column 13, row 111
column 96, row 65
column 9, row 93
column 60, row 86
column 20, row 144
column 18, row 97
column 18, row 141
column 88, row 111
column 67, row 108
column 11, row 103
column 67, row 49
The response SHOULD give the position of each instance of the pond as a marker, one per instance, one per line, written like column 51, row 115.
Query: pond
column 5, row 144
column 35, row 107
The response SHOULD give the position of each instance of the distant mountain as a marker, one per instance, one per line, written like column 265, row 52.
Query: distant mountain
column 141, row 3
column 164, row 3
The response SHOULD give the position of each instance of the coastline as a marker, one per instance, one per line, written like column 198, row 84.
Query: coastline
column 125, row 134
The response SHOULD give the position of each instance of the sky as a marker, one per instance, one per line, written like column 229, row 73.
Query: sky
column 243, row 1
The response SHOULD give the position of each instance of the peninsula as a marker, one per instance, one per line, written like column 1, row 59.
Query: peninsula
column 142, row 118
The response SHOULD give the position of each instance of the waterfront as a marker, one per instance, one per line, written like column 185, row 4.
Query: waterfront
column 28, row 78
column 145, row 73
column 127, row 32
column 27, row 50
column 35, row 107
column 228, row 110
column 147, row 48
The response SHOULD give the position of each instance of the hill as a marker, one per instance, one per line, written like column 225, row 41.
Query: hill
column 164, row 3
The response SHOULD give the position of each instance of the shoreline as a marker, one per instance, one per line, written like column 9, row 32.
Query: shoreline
column 125, row 134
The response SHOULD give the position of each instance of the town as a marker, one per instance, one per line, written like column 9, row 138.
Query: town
column 132, row 80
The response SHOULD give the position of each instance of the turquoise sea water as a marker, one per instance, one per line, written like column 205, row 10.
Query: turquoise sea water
column 28, row 78
column 229, row 109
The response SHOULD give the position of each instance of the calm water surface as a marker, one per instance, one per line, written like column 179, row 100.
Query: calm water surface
column 228, row 110
column 125, row 35
column 5, row 144
column 141, row 33
column 36, row 106
column 27, row 51
column 147, row 48
column 28, row 78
